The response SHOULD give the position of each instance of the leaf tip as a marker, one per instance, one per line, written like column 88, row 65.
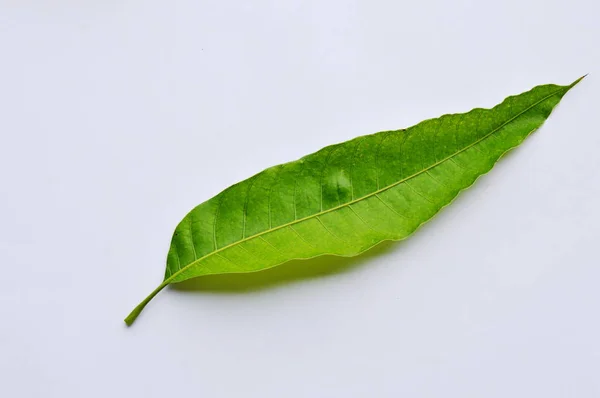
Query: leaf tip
column 578, row 80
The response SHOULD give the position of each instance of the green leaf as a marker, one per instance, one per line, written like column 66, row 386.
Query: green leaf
column 348, row 197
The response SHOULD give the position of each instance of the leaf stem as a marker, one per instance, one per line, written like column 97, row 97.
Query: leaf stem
column 137, row 310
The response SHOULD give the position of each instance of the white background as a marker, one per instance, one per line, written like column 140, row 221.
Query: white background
column 117, row 117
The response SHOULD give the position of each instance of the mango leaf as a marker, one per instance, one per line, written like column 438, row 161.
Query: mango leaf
column 348, row 197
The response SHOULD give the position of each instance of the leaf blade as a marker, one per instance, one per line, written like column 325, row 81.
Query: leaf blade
column 348, row 197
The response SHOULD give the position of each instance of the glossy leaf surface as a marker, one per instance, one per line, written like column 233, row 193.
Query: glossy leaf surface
column 346, row 198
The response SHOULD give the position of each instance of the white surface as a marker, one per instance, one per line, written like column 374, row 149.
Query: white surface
column 119, row 116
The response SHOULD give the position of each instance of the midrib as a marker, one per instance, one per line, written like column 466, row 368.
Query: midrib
column 166, row 281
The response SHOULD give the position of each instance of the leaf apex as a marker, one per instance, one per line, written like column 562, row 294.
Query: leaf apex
column 578, row 80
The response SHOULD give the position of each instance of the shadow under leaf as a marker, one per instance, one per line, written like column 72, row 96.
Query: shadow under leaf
column 289, row 272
